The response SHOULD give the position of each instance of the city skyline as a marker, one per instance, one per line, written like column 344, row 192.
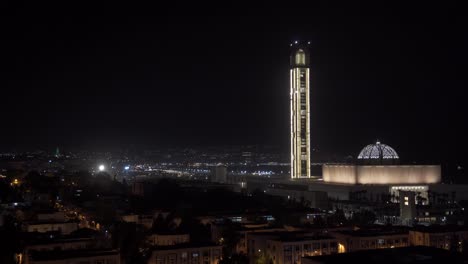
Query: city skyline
column 94, row 79
column 230, row 133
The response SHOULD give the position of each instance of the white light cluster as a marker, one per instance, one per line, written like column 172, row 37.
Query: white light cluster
column 409, row 187
column 377, row 151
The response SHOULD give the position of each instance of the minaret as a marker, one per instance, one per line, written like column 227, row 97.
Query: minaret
column 300, row 110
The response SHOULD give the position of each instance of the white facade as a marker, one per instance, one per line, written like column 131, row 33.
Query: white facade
column 71, row 257
column 382, row 174
column 189, row 254
column 41, row 227
column 167, row 239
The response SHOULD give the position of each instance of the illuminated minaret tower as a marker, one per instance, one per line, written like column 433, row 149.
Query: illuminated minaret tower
column 300, row 109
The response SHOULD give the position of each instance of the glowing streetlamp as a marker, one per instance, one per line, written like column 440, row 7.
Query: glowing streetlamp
column 102, row 167
column 15, row 182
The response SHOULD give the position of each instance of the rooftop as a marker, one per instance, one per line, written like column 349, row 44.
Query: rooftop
column 60, row 240
column 68, row 254
column 392, row 256
column 162, row 232
column 374, row 232
column 303, row 238
column 48, row 222
column 292, row 236
column 185, row 245
column 279, row 233
column 439, row 228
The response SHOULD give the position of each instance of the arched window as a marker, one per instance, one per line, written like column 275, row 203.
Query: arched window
column 300, row 57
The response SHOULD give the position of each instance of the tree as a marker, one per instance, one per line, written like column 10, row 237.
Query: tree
column 465, row 246
column 10, row 240
column 453, row 243
column 235, row 259
column 419, row 198
column 39, row 183
column 159, row 223
column 166, row 188
column 231, row 238
column 81, row 178
column 262, row 258
column 197, row 231
column 429, row 197
column 337, row 218
column 6, row 192
column 363, row 217
column 129, row 238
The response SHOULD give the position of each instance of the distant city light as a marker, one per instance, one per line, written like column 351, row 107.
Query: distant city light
column 15, row 182
column 127, row 167
column 295, row 42
column 102, row 167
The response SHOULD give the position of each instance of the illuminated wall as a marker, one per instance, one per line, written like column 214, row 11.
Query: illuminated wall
column 422, row 191
column 300, row 111
column 411, row 174
column 339, row 173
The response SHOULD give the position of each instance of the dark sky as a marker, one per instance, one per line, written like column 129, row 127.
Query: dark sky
column 76, row 75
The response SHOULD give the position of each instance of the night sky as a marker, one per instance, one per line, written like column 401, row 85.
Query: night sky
column 104, row 75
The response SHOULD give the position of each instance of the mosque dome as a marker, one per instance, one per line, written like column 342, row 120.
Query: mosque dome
column 378, row 153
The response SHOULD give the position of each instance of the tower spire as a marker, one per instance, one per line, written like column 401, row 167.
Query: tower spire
column 300, row 110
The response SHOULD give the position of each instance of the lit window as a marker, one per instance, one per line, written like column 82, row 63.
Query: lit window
column 300, row 57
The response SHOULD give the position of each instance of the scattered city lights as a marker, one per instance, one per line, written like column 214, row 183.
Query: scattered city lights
column 152, row 167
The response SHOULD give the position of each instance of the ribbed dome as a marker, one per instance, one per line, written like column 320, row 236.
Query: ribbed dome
column 378, row 151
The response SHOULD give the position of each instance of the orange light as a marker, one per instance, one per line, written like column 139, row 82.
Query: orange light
column 341, row 248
